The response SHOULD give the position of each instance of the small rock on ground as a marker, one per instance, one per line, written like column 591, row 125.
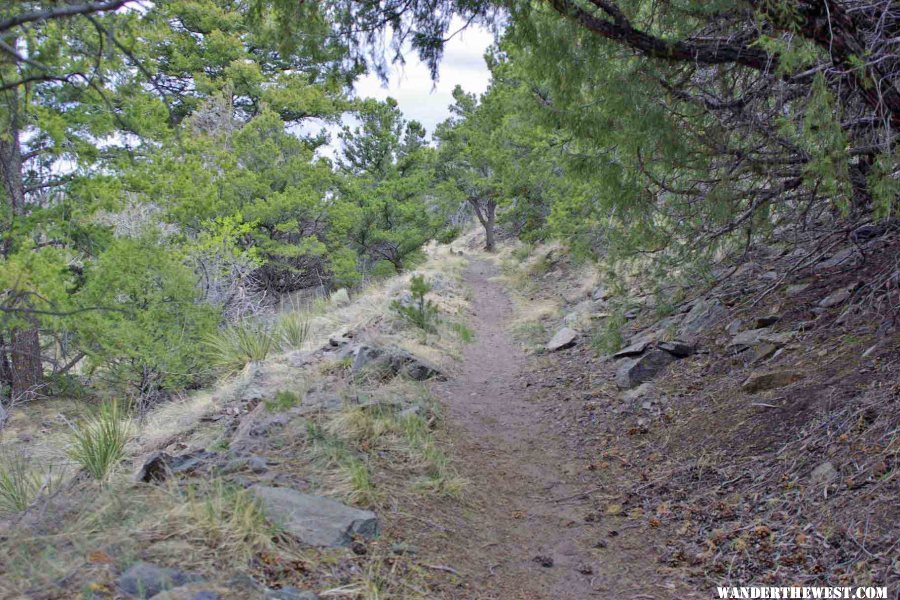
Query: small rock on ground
column 760, row 382
column 315, row 520
column 564, row 338
column 144, row 580
column 635, row 371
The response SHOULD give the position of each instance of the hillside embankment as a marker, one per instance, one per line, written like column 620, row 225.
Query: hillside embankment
column 553, row 434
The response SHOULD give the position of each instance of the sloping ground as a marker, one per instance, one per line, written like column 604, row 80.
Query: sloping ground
column 303, row 475
column 769, row 455
column 746, row 434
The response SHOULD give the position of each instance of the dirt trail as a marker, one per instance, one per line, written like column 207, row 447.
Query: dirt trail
column 516, row 463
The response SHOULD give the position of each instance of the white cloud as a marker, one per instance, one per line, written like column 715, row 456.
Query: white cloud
column 419, row 97
column 427, row 101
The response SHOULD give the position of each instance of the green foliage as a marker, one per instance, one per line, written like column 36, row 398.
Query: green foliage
column 283, row 400
column 463, row 332
column 19, row 484
column 421, row 312
column 607, row 337
column 98, row 442
column 234, row 347
column 292, row 330
column 228, row 517
column 148, row 336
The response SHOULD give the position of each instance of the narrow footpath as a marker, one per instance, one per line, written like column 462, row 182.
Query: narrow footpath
column 535, row 528
column 528, row 545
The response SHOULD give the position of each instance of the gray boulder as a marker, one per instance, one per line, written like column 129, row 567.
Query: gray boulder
column 703, row 314
column 845, row 258
column 838, row 297
column 637, row 346
column 756, row 337
column 144, row 580
column 677, row 348
column 391, row 362
column 153, row 467
column 418, row 369
column 564, row 338
column 734, row 327
column 159, row 465
column 315, row 520
column 635, row 371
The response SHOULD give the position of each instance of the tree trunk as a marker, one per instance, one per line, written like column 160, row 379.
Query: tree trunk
column 26, row 366
column 485, row 216
column 25, row 370
column 489, row 229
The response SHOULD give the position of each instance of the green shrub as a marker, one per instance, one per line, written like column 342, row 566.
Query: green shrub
column 98, row 443
column 18, row 483
column 607, row 338
column 292, row 330
column 228, row 518
column 422, row 313
column 522, row 252
column 234, row 347
column 357, row 481
column 449, row 234
column 463, row 332
column 151, row 339
column 284, row 400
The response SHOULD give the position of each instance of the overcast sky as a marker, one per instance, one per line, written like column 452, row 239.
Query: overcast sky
column 424, row 100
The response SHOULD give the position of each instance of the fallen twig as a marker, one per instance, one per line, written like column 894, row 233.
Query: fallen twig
column 442, row 568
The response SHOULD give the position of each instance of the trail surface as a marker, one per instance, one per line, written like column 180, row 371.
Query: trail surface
column 528, row 544
column 536, row 527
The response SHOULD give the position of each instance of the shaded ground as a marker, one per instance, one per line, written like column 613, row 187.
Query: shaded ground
column 532, row 531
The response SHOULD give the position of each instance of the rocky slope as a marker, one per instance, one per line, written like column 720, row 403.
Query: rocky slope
column 748, row 433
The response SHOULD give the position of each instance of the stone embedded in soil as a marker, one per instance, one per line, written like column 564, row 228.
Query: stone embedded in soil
column 845, row 258
column 315, row 520
column 635, row 371
column 144, row 580
column 544, row 561
column 796, row 289
column 838, row 297
column 639, row 393
column 755, row 337
column 564, row 338
column 599, row 293
column 153, row 467
column 159, row 465
column 257, row 464
column 677, row 348
column 764, row 351
column 768, row 321
column 637, row 346
column 702, row 315
column 734, row 327
column 392, row 361
column 190, row 592
column 760, row 382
